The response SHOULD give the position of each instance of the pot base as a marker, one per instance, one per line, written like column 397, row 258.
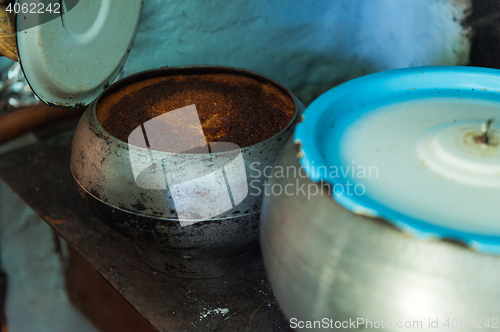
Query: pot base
column 186, row 263
column 207, row 249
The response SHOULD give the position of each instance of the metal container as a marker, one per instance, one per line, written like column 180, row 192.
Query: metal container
column 101, row 167
column 333, row 264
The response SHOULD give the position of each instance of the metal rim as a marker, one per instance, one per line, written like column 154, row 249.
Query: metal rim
column 146, row 215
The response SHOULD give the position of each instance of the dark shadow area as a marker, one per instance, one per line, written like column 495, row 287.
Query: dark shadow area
column 3, row 290
column 485, row 24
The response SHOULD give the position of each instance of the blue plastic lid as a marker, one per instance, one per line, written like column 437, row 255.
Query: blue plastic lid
column 412, row 146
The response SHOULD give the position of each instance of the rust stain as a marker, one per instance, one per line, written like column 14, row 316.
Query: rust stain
column 54, row 221
column 253, row 314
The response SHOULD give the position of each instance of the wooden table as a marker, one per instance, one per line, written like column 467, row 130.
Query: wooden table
column 243, row 301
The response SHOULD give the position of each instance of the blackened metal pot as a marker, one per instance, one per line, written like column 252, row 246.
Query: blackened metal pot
column 102, row 171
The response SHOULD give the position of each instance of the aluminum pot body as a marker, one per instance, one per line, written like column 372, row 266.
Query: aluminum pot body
column 102, row 169
column 325, row 262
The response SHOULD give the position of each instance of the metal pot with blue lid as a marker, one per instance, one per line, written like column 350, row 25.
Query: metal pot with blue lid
column 384, row 206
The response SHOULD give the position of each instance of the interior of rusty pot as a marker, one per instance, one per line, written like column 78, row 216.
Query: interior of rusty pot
column 228, row 105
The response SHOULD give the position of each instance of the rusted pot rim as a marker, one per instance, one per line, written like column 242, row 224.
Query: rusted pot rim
column 183, row 70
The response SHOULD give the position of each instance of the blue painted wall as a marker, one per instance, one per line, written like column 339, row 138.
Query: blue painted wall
column 308, row 45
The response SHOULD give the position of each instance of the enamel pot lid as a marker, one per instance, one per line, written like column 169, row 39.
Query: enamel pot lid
column 417, row 147
column 71, row 50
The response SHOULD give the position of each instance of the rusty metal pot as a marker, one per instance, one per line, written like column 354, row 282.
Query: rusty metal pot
column 101, row 168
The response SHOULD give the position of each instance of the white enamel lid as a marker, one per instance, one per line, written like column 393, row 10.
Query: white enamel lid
column 73, row 50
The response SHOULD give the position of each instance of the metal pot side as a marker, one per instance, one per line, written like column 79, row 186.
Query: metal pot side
column 101, row 168
column 326, row 262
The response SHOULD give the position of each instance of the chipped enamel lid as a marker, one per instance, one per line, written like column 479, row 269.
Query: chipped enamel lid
column 413, row 146
column 71, row 50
